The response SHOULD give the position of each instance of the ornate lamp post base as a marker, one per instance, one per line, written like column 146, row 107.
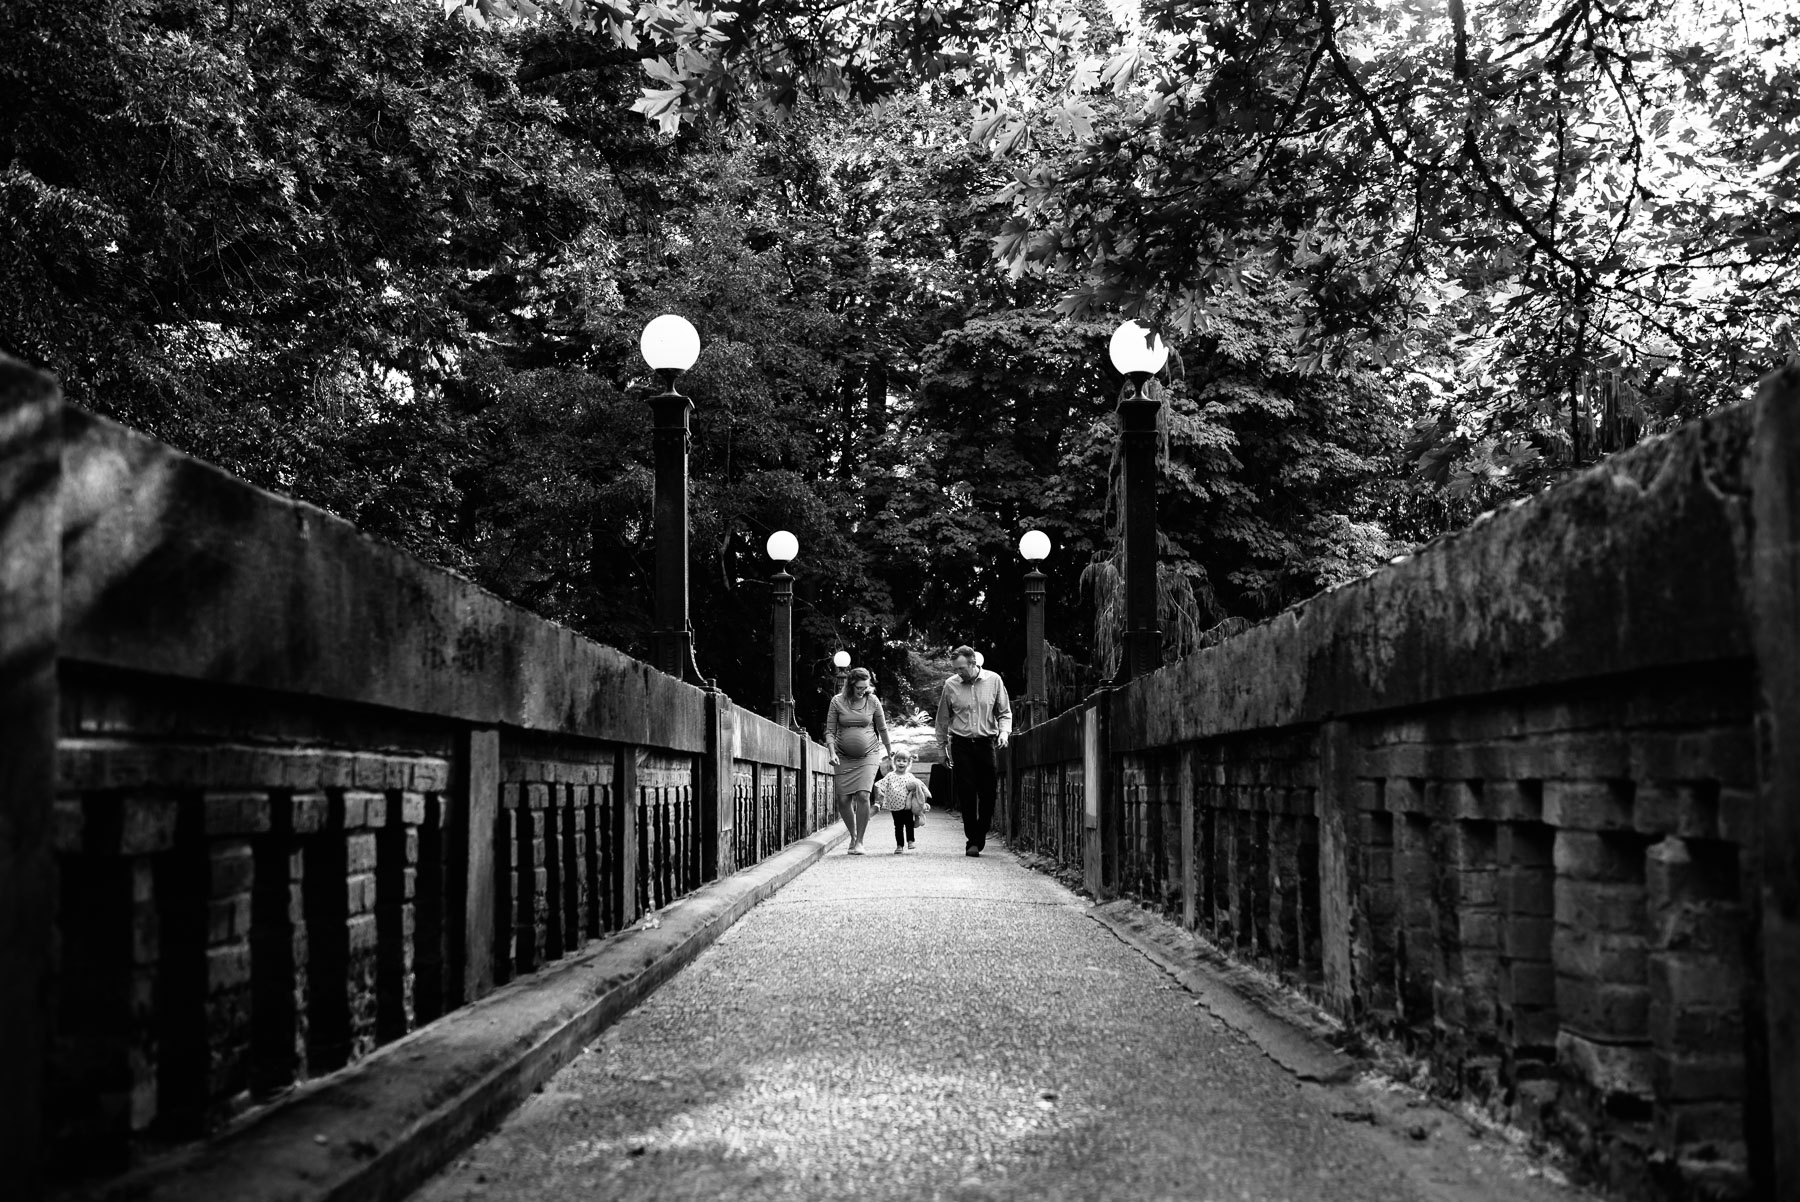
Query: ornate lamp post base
column 673, row 651
column 1143, row 652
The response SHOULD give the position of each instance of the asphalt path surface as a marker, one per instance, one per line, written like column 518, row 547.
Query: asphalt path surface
column 932, row 1026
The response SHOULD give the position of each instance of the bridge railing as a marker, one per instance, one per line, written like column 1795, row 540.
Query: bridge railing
column 276, row 794
column 1043, row 809
column 1527, row 801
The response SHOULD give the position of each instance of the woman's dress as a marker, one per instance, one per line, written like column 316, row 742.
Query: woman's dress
column 854, row 731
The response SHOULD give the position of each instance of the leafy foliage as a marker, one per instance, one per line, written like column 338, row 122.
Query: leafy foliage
column 1571, row 222
column 1414, row 260
column 244, row 231
column 1567, row 223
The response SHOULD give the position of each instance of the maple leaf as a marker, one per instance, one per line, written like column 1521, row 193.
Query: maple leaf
column 1121, row 68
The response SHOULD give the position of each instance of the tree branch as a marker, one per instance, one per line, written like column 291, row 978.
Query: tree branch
column 551, row 57
column 1287, row 118
column 1459, row 24
column 1510, row 209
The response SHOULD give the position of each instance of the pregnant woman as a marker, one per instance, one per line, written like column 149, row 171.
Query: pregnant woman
column 855, row 734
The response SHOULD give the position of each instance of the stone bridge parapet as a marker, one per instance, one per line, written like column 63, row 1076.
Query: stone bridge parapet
column 1527, row 800
column 274, row 794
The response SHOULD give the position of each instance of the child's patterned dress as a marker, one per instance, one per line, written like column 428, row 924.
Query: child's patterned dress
column 901, row 791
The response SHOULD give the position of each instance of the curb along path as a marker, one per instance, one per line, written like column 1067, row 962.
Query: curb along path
column 935, row 1026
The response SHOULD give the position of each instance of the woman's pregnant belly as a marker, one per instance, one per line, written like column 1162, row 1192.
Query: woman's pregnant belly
column 856, row 741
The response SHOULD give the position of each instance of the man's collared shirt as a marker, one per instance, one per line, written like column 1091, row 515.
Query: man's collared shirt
column 977, row 709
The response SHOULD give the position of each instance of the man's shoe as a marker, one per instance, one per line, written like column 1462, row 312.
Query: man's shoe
column 972, row 851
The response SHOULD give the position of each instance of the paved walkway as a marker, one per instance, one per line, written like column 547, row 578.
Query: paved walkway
column 935, row 1026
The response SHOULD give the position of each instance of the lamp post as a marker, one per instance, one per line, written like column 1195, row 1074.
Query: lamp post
column 840, row 668
column 1034, row 547
column 1139, row 354
column 670, row 346
column 782, row 548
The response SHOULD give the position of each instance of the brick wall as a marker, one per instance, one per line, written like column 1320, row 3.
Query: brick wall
column 291, row 795
column 1520, row 802
column 1045, row 817
column 769, row 813
column 557, row 880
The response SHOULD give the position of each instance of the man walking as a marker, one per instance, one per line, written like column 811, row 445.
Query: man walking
column 973, row 716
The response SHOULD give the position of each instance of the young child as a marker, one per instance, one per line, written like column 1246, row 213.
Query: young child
column 905, row 797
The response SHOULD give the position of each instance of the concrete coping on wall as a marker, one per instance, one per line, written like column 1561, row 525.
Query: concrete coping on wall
column 754, row 737
column 1640, row 562
column 173, row 567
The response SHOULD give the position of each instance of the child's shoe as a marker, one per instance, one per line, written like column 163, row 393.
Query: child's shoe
column 898, row 850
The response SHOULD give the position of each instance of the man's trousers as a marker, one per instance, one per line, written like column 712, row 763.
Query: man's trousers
column 972, row 763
